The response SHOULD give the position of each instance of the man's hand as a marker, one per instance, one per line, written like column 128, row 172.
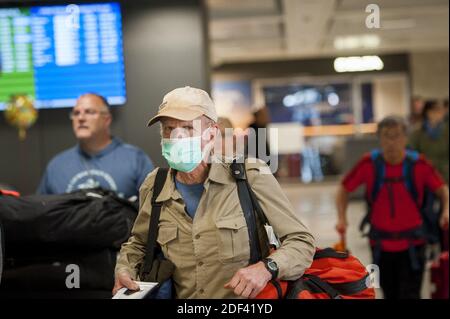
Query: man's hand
column 442, row 193
column 123, row 279
column 341, row 227
column 341, row 207
column 250, row 281
column 444, row 220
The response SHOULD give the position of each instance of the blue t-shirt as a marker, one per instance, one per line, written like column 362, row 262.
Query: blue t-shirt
column 191, row 194
column 119, row 167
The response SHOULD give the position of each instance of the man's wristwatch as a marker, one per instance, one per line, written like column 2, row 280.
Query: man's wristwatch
column 271, row 266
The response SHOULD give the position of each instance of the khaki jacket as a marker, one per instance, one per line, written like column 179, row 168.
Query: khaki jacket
column 208, row 250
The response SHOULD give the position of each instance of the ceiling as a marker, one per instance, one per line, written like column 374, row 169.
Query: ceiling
column 255, row 30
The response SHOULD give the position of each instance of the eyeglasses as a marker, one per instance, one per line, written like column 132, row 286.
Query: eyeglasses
column 88, row 113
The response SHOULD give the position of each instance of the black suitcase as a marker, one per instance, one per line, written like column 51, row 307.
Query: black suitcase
column 70, row 273
column 89, row 218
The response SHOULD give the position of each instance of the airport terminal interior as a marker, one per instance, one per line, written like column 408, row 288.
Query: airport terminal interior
column 319, row 75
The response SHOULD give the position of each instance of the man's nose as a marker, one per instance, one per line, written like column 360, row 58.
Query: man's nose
column 179, row 133
column 81, row 117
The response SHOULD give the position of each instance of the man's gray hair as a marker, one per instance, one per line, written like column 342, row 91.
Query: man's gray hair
column 208, row 121
column 392, row 121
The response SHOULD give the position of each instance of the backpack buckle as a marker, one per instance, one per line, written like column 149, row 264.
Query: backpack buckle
column 238, row 171
column 396, row 235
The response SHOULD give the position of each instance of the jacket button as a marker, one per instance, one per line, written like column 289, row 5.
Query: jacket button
column 200, row 263
column 197, row 236
column 201, row 291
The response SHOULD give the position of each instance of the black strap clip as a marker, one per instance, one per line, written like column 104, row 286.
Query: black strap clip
column 238, row 171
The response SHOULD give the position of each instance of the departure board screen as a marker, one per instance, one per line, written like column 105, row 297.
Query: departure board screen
column 56, row 53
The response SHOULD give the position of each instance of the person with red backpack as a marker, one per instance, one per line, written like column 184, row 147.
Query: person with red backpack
column 396, row 180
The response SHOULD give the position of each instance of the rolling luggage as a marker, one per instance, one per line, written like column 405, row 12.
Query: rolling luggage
column 439, row 272
column 439, row 277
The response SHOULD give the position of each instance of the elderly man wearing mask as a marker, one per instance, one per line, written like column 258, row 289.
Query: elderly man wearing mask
column 202, row 229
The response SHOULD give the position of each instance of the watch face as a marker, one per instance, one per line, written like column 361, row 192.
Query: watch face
column 272, row 265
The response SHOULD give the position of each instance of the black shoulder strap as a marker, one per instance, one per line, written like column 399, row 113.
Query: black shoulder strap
column 379, row 168
column 257, row 235
column 408, row 173
column 153, row 228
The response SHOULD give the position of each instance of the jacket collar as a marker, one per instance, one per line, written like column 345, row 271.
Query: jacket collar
column 218, row 173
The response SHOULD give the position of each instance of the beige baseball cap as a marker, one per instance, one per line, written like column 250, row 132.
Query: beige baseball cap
column 186, row 104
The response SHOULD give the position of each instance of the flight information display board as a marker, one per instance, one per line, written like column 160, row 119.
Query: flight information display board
column 56, row 53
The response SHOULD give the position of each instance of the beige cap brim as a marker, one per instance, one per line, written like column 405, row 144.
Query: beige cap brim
column 182, row 114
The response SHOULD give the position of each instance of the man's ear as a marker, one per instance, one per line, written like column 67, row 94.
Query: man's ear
column 109, row 119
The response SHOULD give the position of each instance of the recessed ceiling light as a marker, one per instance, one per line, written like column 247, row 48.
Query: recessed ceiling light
column 358, row 63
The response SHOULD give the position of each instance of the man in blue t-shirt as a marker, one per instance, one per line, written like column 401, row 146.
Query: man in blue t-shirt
column 99, row 160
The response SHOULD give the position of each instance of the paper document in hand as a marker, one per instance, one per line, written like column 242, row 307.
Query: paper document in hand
column 144, row 289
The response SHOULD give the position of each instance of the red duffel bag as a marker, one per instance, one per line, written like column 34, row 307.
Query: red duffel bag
column 332, row 275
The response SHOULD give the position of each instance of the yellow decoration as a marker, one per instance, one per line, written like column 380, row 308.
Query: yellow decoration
column 20, row 113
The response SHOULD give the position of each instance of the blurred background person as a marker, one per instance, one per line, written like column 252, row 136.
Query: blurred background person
column 397, row 226
column 99, row 159
column 415, row 117
column 261, row 118
column 431, row 138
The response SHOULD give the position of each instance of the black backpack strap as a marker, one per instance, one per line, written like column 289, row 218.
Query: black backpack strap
column 425, row 206
column 352, row 287
column 153, row 227
column 379, row 171
column 408, row 173
column 277, row 286
column 379, row 167
column 261, row 220
column 316, row 285
column 330, row 253
column 238, row 172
